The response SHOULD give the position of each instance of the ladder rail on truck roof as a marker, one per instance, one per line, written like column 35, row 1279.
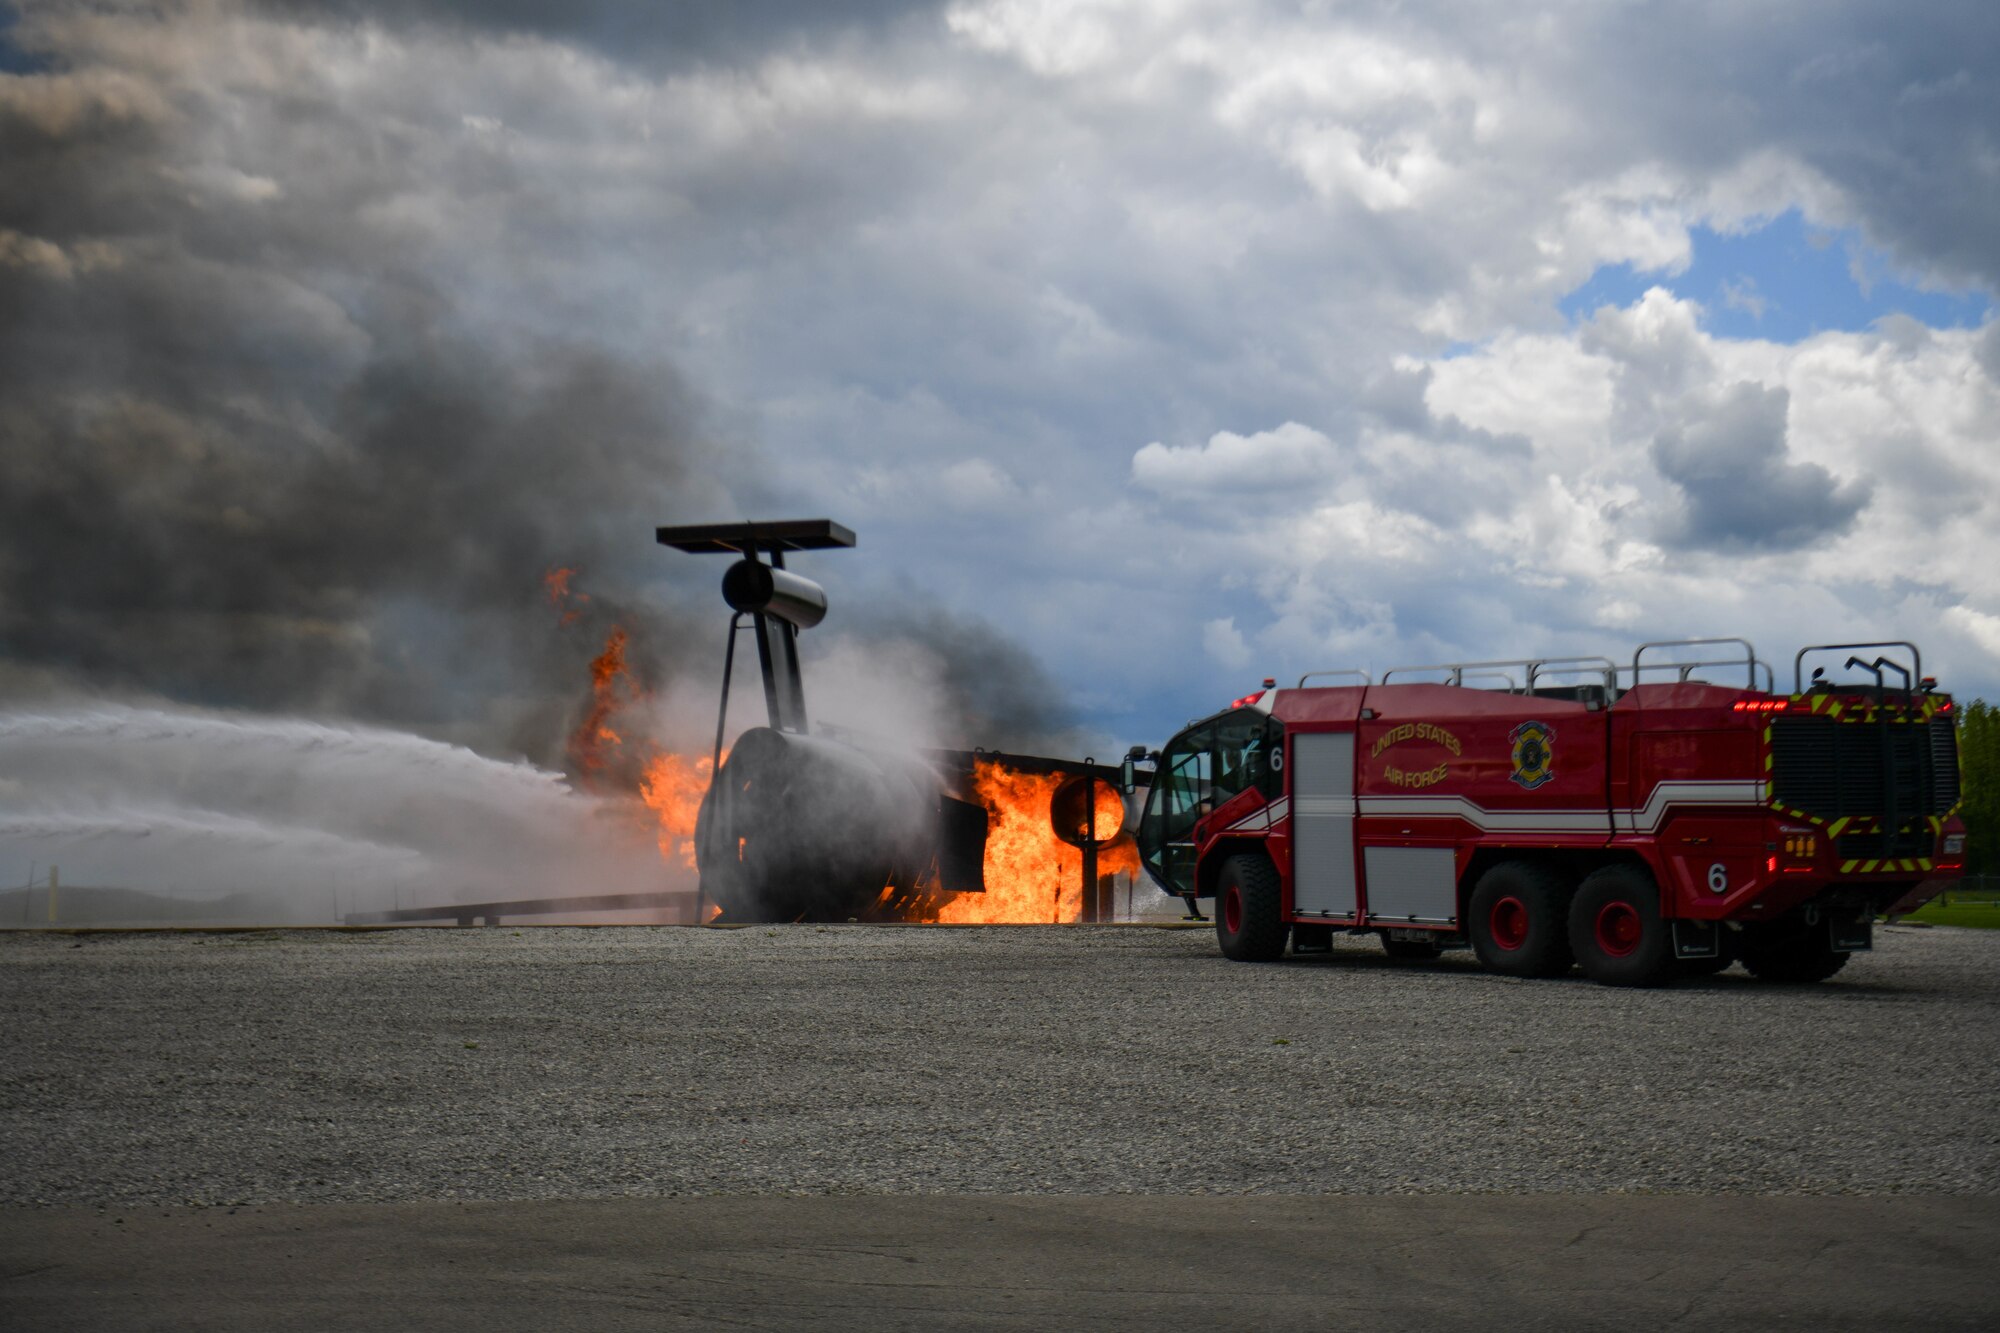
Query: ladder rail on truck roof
column 1532, row 667
column 1750, row 661
column 1366, row 679
column 1535, row 667
column 1916, row 672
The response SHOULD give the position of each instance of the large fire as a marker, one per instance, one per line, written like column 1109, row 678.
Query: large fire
column 672, row 787
column 1031, row 874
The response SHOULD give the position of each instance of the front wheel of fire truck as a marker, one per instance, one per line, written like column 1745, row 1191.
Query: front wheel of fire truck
column 1616, row 930
column 1249, row 917
column 1518, row 920
column 1771, row 953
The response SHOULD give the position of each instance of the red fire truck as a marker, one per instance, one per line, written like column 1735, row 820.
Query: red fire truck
column 1643, row 822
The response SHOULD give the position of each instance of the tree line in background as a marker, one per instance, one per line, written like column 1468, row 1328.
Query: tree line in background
column 1979, row 768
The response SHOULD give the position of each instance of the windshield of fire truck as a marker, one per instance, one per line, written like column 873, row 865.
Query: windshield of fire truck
column 1200, row 769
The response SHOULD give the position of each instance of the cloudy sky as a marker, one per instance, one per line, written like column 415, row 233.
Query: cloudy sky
column 1151, row 348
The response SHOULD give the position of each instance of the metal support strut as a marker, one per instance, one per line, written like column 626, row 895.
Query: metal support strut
column 722, row 713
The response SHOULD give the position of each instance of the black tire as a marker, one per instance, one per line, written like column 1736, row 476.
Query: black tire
column 1249, row 920
column 1797, row 958
column 1616, row 931
column 1519, row 920
column 1415, row 951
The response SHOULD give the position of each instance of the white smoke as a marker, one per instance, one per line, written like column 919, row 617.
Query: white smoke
column 282, row 820
column 890, row 694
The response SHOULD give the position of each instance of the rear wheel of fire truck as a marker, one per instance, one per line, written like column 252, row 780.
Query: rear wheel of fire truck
column 1616, row 930
column 1803, row 956
column 1249, row 921
column 1518, row 920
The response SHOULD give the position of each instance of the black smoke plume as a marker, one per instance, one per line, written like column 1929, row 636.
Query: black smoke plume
column 246, row 459
column 269, row 440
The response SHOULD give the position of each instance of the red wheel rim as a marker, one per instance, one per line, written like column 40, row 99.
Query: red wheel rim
column 1508, row 922
column 1619, row 928
column 1232, row 909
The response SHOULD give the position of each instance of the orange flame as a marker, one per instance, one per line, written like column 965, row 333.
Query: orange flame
column 673, row 786
column 569, row 603
column 1031, row 874
column 670, row 786
column 610, row 688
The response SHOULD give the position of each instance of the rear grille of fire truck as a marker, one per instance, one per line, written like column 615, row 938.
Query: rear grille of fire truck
column 1944, row 764
column 1867, row 770
column 1912, row 841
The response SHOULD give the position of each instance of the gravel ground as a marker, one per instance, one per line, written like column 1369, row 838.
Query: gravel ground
column 550, row 1063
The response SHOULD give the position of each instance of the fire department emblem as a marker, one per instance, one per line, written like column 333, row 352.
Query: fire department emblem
column 1534, row 753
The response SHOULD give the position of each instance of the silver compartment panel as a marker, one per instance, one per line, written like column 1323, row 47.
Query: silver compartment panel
column 1323, row 823
column 1414, row 884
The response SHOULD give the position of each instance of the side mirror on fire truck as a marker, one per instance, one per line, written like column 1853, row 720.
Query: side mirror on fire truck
column 1128, row 780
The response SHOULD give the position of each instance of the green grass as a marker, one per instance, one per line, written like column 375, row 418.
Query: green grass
column 1984, row 915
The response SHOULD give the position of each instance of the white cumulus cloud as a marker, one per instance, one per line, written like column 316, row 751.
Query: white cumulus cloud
column 1290, row 457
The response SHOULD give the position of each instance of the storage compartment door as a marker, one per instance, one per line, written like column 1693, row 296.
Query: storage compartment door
column 1323, row 823
column 1418, row 885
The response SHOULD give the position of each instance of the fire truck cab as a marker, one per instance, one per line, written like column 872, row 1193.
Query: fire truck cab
column 1644, row 821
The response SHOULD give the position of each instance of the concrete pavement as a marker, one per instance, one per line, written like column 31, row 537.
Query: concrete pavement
column 1001, row 1262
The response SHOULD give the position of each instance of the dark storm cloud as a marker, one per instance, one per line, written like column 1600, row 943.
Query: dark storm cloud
column 668, row 34
column 254, row 456
column 1396, row 397
column 1988, row 352
column 299, row 402
column 1740, row 490
column 1895, row 106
